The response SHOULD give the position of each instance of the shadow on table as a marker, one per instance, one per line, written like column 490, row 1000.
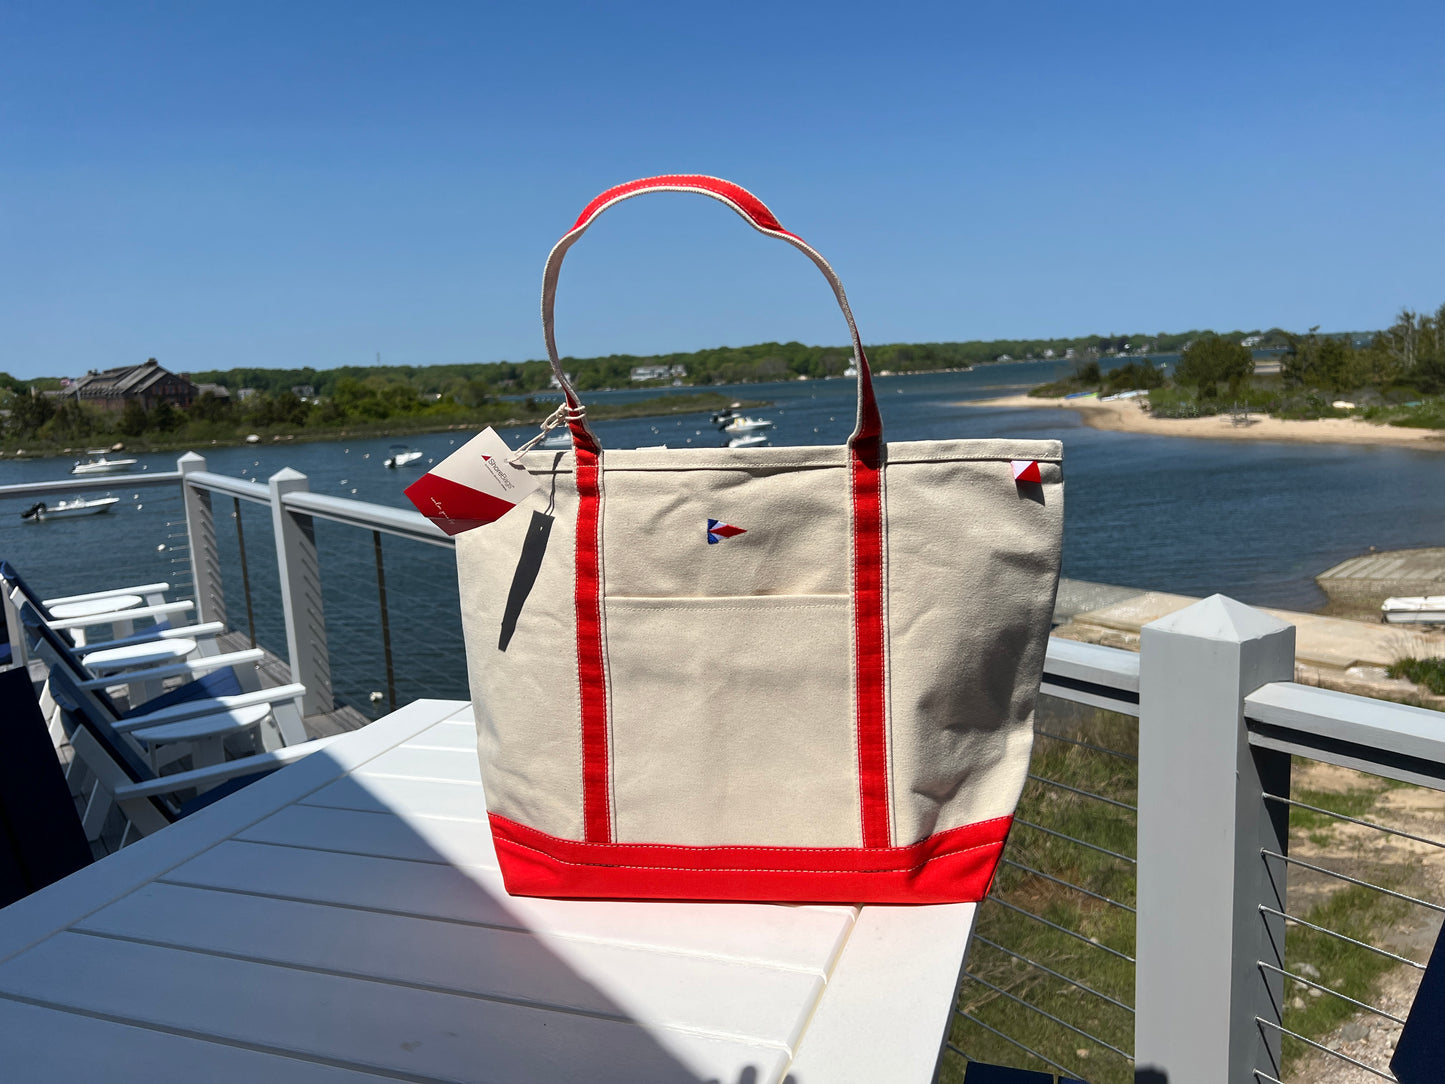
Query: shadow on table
column 343, row 930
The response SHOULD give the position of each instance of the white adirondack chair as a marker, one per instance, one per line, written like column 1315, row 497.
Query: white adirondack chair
column 119, row 778
column 181, row 723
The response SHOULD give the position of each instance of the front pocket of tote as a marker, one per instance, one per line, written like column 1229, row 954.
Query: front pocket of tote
column 732, row 721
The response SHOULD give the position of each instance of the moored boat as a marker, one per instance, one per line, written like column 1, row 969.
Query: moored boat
column 748, row 440
column 99, row 464
column 740, row 425
column 68, row 509
column 1414, row 610
column 399, row 455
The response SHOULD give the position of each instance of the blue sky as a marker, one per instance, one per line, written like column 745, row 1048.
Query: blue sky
column 283, row 184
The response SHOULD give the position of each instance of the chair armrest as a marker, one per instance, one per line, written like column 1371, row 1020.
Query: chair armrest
column 142, row 590
column 219, row 724
column 210, row 705
column 219, row 773
column 203, row 665
column 192, row 632
column 121, row 615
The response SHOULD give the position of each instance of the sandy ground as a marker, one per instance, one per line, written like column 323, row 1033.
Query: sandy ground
column 1129, row 416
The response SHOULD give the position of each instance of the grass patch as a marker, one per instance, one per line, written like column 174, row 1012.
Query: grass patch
column 1427, row 672
column 1356, row 912
column 1096, row 822
column 1319, row 827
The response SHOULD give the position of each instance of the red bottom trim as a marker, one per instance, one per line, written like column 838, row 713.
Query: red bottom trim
column 956, row 866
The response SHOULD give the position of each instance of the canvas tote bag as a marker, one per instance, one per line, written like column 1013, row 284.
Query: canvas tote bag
column 793, row 673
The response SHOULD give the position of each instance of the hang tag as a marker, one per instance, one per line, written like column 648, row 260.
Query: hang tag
column 473, row 486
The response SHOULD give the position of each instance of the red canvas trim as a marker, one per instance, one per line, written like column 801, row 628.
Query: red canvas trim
column 756, row 211
column 868, row 665
column 591, row 673
column 955, row 866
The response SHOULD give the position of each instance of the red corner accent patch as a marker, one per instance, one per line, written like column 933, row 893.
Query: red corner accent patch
column 1027, row 470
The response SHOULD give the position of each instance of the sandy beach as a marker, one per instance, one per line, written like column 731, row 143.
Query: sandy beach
column 1129, row 416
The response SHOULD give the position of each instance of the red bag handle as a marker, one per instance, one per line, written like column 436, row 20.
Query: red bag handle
column 867, row 428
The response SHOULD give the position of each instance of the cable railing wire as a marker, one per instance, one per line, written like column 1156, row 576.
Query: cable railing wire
column 1068, row 884
column 245, row 573
column 1082, row 793
column 1075, row 839
column 1325, row 989
column 1049, row 971
column 385, row 620
column 1087, row 745
column 1062, row 929
column 1050, row 1016
column 1321, row 1046
column 1354, row 820
column 1343, row 937
column 1352, row 880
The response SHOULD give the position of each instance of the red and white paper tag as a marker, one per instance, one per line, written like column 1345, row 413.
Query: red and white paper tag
column 473, row 486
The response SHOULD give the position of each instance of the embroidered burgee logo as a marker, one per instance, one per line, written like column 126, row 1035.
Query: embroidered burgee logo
column 717, row 530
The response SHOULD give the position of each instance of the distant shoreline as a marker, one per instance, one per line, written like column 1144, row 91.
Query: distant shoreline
column 1129, row 416
column 657, row 407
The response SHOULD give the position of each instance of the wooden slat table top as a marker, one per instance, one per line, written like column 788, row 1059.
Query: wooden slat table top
column 344, row 919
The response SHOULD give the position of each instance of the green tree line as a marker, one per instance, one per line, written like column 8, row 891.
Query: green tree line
column 471, row 383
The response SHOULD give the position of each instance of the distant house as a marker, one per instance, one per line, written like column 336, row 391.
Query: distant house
column 148, row 384
column 216, row 391
column 304, row 392
column 1251, row 340
column 657, row 372
column 242, row 394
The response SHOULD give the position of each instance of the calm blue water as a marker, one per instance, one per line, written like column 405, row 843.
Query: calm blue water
column 1254, row 520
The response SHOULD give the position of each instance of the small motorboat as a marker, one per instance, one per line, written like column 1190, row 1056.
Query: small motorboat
column 1414, row 610
column 99, row 464
column 748, row 440
column 400, row 455
column 740, row 425
column 67, row 509
column 557, row 440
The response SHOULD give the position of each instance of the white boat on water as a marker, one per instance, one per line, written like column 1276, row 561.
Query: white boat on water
column 557, row 440
column 400, row 455
column 99, row 464
column 67, row 509
column 748, row 440
column 1414, row 610
column 740, row 425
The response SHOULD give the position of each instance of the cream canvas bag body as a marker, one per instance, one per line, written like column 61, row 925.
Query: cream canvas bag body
column 800, row 673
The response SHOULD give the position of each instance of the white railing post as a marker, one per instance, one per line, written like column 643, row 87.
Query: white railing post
column 301, row 593
column 1199, row 989
column 201, row 537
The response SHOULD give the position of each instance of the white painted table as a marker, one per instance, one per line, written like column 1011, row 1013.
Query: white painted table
column 344, row 919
